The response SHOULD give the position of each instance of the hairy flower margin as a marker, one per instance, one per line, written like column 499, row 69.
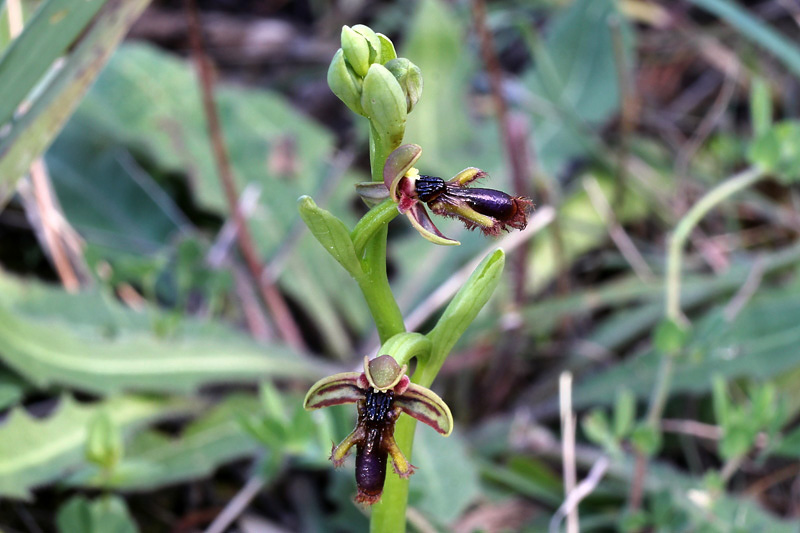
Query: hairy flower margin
column 382, row 392
column 489, row 210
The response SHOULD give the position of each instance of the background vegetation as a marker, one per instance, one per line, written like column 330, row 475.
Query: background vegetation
column 149, row 382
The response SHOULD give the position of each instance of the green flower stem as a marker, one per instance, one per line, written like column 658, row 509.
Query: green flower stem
column 714, row 197
column 374, row 285
column 377, row 217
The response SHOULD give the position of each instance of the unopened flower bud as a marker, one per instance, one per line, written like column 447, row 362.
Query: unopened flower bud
column 383, row 101
column 373, row 40
column 356, row 50
column 409, row 76
column 344, row 82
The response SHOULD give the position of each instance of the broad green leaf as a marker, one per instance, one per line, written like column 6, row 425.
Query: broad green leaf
column 576, row 80
column 446, row 480
column 146, row 102
column 129, row 213
column 154, row 460
column 760, row 343
column 54, row 27
column 332, row 234
column 462, row 310
column 35, row 451
column 83, row 342
column 106, row 514
column 754, row 29
column 12, row 389
column 527, row 476
column 34, row 132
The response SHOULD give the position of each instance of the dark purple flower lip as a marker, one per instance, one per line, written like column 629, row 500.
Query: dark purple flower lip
column 489, row 210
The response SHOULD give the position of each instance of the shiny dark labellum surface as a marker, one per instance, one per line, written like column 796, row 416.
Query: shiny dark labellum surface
column 377, row 419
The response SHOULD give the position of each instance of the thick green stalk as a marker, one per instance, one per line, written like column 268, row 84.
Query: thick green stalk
column 377, row 292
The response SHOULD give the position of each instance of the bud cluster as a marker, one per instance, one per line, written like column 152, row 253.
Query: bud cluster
column 371, row 80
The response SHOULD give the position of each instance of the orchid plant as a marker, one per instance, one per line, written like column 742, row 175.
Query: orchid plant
column 372, row 81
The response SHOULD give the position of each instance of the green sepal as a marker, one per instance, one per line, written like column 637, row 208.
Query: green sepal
column 345, row 83
column 375, row 45
column 384, row 103
column 337, row 389
column 427, row 407
column 463, row 309
column 332, row 234
column 387, row 49
column 356, row 50
column 409, row 76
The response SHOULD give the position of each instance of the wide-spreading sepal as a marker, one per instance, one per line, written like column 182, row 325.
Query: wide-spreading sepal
column 427, row 407
column 337, row 389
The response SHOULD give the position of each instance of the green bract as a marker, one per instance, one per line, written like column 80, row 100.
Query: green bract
column 409, row 76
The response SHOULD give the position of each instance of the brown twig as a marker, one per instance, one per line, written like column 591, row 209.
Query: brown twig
column 272, row 297
column 514, row 134
column 54, row 232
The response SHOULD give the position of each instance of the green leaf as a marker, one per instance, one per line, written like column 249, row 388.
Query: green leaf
column 332, row 234
column 35, row 452
column 576, row 79
column 12, row 389
column 107, row 514
column 31, row 135
column 446, row 480
column 759, row 343
column 721, row 402
column 56, row 25
column 129, row 213
column 462, row 310
column 598, row 430
column 756, row 30
column 155, row 460
column 777, row 151
column 624, row 413
column 86, row 342
column 670, row 337
column 646, row 439
column 760, row 106
column 104, row 441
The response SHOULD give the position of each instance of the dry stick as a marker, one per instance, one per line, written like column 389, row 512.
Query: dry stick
column 237, row 505
column 585, row 488
column 219, row 255
column 617, row 233
column 49, row 216
column 568, row 449
column 272, row 297
column 513, row 133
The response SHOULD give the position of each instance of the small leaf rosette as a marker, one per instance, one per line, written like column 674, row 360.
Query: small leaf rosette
column 489, row 210
column 382, row 392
